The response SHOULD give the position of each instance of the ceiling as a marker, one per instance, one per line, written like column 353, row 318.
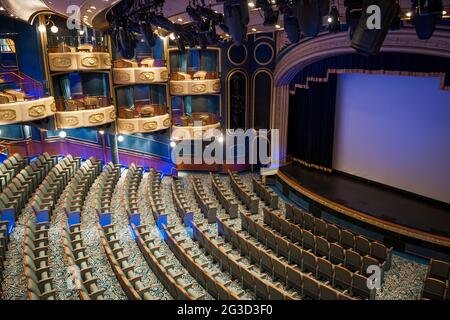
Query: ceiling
column 93, row 11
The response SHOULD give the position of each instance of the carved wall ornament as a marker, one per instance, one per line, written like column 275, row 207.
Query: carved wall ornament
column 7, row 115
column 96, row 118
column 36, row 111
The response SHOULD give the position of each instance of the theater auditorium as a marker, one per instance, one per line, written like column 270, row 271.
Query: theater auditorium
column 224, row 150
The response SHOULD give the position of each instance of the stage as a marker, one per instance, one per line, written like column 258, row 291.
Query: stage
column 391, row 213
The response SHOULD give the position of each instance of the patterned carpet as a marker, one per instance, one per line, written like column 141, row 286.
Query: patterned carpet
column 403, row 281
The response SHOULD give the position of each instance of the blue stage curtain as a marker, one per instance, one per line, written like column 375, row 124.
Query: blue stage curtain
column 311, row 123
column 210, row 60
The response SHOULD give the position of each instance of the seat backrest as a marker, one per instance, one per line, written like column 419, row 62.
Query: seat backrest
column 439, row 270
column 311, row 287
column 347, row 239
column 328, row 293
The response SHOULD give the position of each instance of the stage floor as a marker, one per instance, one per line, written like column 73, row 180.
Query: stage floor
column 374, row 200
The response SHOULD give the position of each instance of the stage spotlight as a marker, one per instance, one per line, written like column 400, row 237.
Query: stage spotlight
column 367, row 40
column 334, row 21
column 54, row 29
column 62, row 134
column 425, row 15
column 237, row 19
column 292, row 28
column 309, row 18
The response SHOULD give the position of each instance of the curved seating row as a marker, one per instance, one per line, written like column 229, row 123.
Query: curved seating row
column 132, row 182
column 74, row 250
column 36, row 262
column 79, row 186
column 306, row 257
column 190, row 259
column 250, row 276
column 17, row 193
column 437, row 281
column 224, row 196
column 154, row 197
column 9, row 168
column 343, row 237
column 104, row 191
column 265, row 193
column 181, row 204
column 291, row 273
column 206, row 205
column 317, row 245
column 51, row 188
column 162, row 267
column 247, row 196
column 131, row 283
column 3, row 245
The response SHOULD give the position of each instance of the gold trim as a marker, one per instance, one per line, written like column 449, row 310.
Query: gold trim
column 363, row 217
column 61, row 62
column 150, row 126
column 147, row 76
column 96, row 118
column 271, row 58
column 231, row 61
column 312, row 165
column 230, row 74
column 90, row 62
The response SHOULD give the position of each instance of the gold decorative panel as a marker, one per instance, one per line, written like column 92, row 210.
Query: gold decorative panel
column 96, row 118
column 53, row 107
column 90, row 62
column 216, row 86
column 149, row 126
column 36, row 111
column 147, row 76
column 62, row 62
column 122, row 76
column 198, row 88
column 107, row 62
column 126, row 126
column 164, row 76
column 69, row 121
column 167, row 123
column 176, row 89
column 113, row 115
column 7, row 115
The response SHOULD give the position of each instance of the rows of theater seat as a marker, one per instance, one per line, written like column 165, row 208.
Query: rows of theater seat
column 131, row 186
column 225, row 198
column 130, row 282
column 9, row 168
column 265, row 193
column 181, row 204
column 207, row 206
column 251, row 277
column 155, row 200
column 342, row 239
column 247, row 196
column 72, row 239
column 306, row 260
column 35, row 246
column 437, row 281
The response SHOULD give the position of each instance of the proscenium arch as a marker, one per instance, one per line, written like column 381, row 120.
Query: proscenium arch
column 328, row 45
column 229, row 76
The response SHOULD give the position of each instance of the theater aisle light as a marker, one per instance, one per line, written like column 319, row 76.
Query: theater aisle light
column 62, row 134
column 120, row 138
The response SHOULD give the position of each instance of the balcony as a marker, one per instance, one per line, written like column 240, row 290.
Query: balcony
column 194, row 127
column 148, row 118
column 84, row 112
column 198, row 83
column 22, row 99
column 148, row 71
column 65, row 58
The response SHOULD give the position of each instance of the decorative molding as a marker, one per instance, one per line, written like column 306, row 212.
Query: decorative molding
column 328, row 45
column 237, row 64
column 195, row 87
column 85, row 118
column 78, row 61
column 229, row 76
column 271, row 58
column 144, row 125
column 90, row 62
column 26, row 111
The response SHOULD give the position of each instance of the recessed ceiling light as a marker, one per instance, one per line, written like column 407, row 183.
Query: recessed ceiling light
column 254, row 29
column 409, row 14
column 93, row 7
column 2, row 9
column 89, row 10
column 180, row 20
column 277, row 26
column 444, row 13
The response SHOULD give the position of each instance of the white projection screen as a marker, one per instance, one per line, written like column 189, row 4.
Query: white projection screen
column 394, row 130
